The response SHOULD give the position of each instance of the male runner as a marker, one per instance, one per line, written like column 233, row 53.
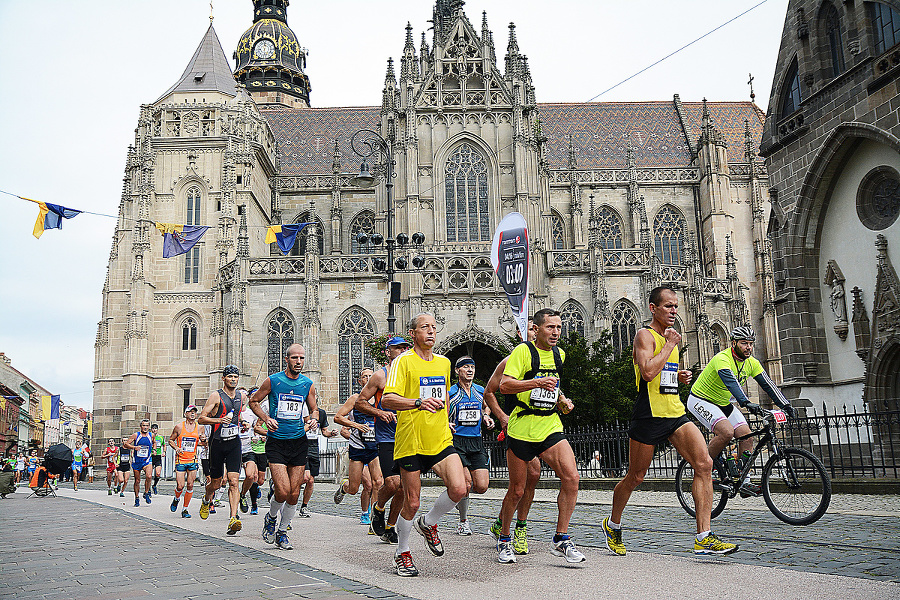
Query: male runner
column 385, row 428
column 286, row 443
column 224, row 444
column 124, row 469
column 77, row 464
column 466, row 412
column 185, row 439
column 659, row 416
column 535, row 430
column 159, row 446
column 258, row 446
column 363, row 452
column 417, row 389
column 314, row 427
column 721, row 381
column 520, row 534
column 142, row 443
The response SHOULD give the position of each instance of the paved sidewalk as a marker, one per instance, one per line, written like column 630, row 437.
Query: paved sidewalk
column 187, row 558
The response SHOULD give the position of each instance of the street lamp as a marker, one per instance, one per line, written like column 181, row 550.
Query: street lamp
column 366, row 143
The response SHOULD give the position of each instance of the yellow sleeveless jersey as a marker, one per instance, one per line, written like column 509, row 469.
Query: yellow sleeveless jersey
column 659, row 397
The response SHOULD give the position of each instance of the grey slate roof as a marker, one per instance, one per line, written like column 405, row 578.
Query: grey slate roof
column 208, row 70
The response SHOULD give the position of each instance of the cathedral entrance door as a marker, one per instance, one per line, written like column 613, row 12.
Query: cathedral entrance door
column 486, row 359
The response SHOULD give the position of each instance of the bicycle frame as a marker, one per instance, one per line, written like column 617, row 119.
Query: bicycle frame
column 767, row 438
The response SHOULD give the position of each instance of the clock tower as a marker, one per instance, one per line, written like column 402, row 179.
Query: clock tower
column 269, row 59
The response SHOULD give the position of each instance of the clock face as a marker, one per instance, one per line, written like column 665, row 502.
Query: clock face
column 264, row 49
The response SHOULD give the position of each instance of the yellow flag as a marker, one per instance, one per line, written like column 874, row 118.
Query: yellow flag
column 270, row 233
column 45, row 407
column 165, row 228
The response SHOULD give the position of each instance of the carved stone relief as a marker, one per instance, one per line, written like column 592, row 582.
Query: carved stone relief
column 834, row 278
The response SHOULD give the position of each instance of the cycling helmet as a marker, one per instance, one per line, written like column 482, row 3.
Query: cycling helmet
column 744, row 332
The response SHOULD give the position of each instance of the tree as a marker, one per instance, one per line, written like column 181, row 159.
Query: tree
column 377, row 349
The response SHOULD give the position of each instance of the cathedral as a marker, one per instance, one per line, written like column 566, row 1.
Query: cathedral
column 619, row 198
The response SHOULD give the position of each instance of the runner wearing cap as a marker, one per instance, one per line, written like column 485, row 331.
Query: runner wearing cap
column 185, row 439
column 159, row 446
column 111, row 454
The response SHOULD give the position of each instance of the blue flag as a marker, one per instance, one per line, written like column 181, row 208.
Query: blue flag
column 284, row 235
column 50, row 216
column 54, row 407
column 178, row 239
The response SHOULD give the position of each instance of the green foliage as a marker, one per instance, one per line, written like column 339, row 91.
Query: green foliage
column 376, row 346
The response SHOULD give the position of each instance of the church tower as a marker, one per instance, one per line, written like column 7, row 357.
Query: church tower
column 269, row 59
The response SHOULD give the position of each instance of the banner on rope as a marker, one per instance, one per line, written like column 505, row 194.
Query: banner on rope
column 284, row 235
column 510, row 258
column 50, row 216
column 178, row 239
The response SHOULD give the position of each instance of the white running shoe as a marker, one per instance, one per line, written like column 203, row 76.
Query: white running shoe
column 567, row 548
column 505, row 553
column 463, row 528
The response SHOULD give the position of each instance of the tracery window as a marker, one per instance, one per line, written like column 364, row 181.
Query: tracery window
column 572, row 319
column 192, row 265
column 624, row 325
column 193, row 207
column 790, row 93
column 353, row 356
column 609, row 229
column 668, row 231
column 299, row 248
column 886, row 23
column 363, row 223
column 189, row 334
column 833, row 33
column 557, row 232
column 466, row 190
column 279, row 337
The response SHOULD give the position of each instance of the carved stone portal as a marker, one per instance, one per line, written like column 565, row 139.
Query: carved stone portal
column 834, row 278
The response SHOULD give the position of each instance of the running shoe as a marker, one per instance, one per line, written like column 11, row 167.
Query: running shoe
column 155, row 493
column 567, row 548
column 121, row 494
column 174, row 506
column 258, row 493
column 147, row 497
column 268, row 532
column 431, row 536
column 389, row 536
column 750, row 490
column 520, row 540
column 234, row 525
column 463, row 528
column 371, row 530
column 117, row 489
column 365, row 519
column 254, row 511
column 613, row 539
column 339, row 493
column 405, row 566
column 185, row 514
column 378, row 524
column 505, row 553
column 496, row 528
column 109, row 492
column 282, row 541
column 711, row 544
column 243, row 503
column 212, row 508
column 137, row 501
column 204, row 509
column 303, row 512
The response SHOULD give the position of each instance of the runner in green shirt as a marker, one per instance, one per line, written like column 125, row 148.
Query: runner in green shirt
column 159, row 445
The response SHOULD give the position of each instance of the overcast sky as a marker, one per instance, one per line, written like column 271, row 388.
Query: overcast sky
column 74, row 75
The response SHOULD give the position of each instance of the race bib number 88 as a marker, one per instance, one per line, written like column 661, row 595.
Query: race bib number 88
column 433, row 387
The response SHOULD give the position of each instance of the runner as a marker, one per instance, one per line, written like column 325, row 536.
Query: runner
column 363, row 452
column 417, row 390
column 466, row 412
column 159, row 446
column 659, row 416
column 33, row 462
column 184, row 440
column 520, row 533
column 258, row 446
column 248, row 459
column 77, row 464
column 314, row 427
column 535, row 430
column 721, row 382
column 385, row 427
column 142, row 444
column 124, row 468
column 286, row 442
column 20, row 467
column 224, row 444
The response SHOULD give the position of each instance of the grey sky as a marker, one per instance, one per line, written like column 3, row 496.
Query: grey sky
column 75, row 74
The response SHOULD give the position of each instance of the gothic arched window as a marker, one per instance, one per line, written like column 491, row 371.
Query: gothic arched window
column 609, row 229
column 189, row 334
column 790, row 92
column 557, row 232
column 624, row 325
column 668, row 232
column 833, row 34
column 279, row 337
column 363, row 223
column 299, row 248
column 354, row 331
column 886, row 23
column 719, row 338
column 193, row 206
column 572, row 319
column 466, row 189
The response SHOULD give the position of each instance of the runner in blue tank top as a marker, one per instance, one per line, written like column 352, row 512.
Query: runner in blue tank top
column 286, row 443
column 141, row 442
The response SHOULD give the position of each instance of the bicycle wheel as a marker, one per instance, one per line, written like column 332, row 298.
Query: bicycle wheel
column 796, row 486
column 684, row 479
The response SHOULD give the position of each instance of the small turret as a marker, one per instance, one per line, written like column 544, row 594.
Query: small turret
column 409, row 64
column 513, row 58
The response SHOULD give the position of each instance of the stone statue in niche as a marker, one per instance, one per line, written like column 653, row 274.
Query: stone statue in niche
column 834, row 278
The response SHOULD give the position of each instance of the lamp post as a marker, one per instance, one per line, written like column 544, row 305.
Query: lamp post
column 366, row 143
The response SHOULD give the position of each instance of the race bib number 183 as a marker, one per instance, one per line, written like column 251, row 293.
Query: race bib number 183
column 289, row 406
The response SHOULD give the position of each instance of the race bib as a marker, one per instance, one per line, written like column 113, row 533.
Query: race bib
column 229, row 433
column 289, row 407
column 368, row 436
column 143, row 451
column 469, row 416
column 668, row 379
column 542, row 399
column 433, row 387
column 188, row 444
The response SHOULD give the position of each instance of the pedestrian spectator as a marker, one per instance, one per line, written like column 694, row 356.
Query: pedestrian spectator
column 594, row 464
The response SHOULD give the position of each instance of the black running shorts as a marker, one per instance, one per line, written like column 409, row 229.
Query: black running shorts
column 224, row 457
column 655, row 430
column 287, row 452
column 386, row 458
column 471, row 451
column 261, row 461
column 421, row 462
column 526, row 451
column 124, row 467
column 363, row 455
column 312, row 464
column 156, row 460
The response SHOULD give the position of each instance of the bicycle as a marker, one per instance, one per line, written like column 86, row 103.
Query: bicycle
column 795, row 485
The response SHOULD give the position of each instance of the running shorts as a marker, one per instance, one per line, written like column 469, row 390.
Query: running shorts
column 471, row 451
column 526, row 451
column 261, row 461
column 655, row 430
column 157, row 460
column 291, row 453
column 363, row 455
column 224, row 457
column 191, row 466
column 421, row 462
column 312, row 464
column 386, row 457
column 248, row 457
column 138, row 465
column 124, row 467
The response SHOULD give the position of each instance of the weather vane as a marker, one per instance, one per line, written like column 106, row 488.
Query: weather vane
column 211, row 12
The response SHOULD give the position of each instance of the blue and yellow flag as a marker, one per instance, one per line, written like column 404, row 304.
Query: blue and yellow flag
column 50, row 216
column 178, row 239
column 284, row 235
column 50, row 407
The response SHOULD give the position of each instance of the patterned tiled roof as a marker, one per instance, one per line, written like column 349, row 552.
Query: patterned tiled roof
column 601, row 133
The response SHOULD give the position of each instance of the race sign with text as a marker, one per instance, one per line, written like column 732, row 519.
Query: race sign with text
column 510, row 259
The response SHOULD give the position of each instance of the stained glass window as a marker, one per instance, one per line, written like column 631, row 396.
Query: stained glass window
column 189, row 334
column 572, row 319
column 466, row 190
column 192, row 265
column 609, row 229
column 363, row 223
column 668, row 231
column 624, row 325
column 833, row 31
column 353, row 332
column 279, row 336
column 557, row 232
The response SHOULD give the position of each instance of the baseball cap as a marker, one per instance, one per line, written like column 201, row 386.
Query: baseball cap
column 396, row 341
column 189, row 407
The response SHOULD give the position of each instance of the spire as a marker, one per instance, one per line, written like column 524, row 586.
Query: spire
column 512, row 53
column 243, row 249
column 749, row 152
column 423, row 55
column 409, row 65
column 730, row 261
column 336, row 159
column 207, row 71
column 390, row 88
column 487, row 38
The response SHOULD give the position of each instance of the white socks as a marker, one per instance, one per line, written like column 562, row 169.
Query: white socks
column 404, row 528
column 274, row 508
column 287, row 513
column 441, row 507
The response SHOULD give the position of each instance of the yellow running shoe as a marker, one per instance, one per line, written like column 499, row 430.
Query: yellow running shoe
column 520, row 540
column 204, row 510
column 711, row 544
column 614, row 539
column 234, row 525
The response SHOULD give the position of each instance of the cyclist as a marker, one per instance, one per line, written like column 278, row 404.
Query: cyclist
column 721, row 381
